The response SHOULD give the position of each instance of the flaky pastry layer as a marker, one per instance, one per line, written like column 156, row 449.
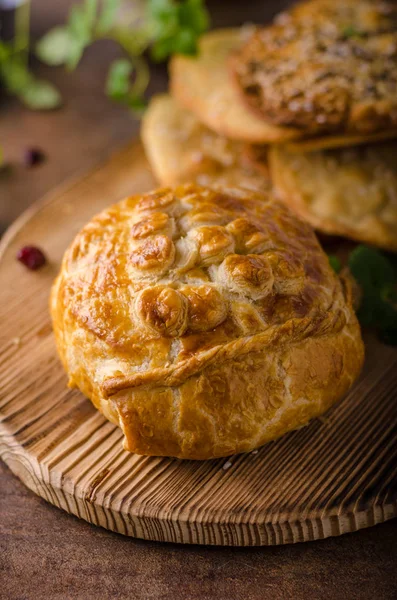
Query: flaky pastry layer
column 180, row 148
column 349, row 191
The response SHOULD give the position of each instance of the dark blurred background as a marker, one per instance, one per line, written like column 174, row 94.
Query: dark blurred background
column 89, row 126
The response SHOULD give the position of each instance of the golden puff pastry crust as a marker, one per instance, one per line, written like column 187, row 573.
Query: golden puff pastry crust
column 179, row 148
column 349, row 191
column 324, row 66
column 204, row 322
column 203, row 85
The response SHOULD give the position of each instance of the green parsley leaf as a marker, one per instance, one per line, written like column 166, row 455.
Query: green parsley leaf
column 90, row 8
column 15, row 75
column 134, row 45
column 185, row 42
column 137, row 104
column 120, row 87
column 162, row 19
column 161, row 50
column 66, row 45
column 371, row 268
column 82, row 20
column 56, row 47
column 175, row 26
column 376, row 276
column 335, row 263
column 118, row 80
column 107, row 16
column 18, row 80
column 194, row 16
column 40, row 95
column 5, row 51
column 166, row 27
column 35, row 94
column 76, row 52
column 81, row 26
column 162, row 12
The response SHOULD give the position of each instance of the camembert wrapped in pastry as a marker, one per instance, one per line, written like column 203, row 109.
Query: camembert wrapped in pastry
column 204, row 322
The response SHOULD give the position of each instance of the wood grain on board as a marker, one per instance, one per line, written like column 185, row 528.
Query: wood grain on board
column 336, row 475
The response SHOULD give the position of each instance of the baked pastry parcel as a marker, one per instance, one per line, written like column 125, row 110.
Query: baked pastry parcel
column 179, row 148
column 204, row 323
column 325, row 66
column 205, row 86
column 350, row 191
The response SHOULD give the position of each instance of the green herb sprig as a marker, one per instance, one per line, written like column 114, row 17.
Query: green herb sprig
column 376, row 275
column 14, row 69
column 160, row 27
column 335, row 263
column 163, row 27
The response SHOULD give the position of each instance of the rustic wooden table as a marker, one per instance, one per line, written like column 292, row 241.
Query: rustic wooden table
column 45, row 553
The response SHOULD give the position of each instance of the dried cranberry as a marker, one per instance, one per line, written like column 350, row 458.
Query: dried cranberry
column 34, row 157
column 32, row 257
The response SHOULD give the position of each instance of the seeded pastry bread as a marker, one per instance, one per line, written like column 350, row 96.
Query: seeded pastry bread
column 325, row 66
column 205, row 86
column 179, row 148
column 203, row 323
column 350, row 191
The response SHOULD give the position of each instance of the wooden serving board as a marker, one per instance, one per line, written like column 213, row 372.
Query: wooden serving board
column 336, row 475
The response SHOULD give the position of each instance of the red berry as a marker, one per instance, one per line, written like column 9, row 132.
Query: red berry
column 32, row 257
column 34, row 157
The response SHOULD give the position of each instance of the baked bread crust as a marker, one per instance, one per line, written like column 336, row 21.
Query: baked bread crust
column 203, row 86
column 179, row 148
column 325, row 66
column 203, row 323
column 350, row 192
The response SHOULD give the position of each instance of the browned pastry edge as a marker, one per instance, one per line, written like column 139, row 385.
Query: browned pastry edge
column 293, row 331
column 321, row 368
